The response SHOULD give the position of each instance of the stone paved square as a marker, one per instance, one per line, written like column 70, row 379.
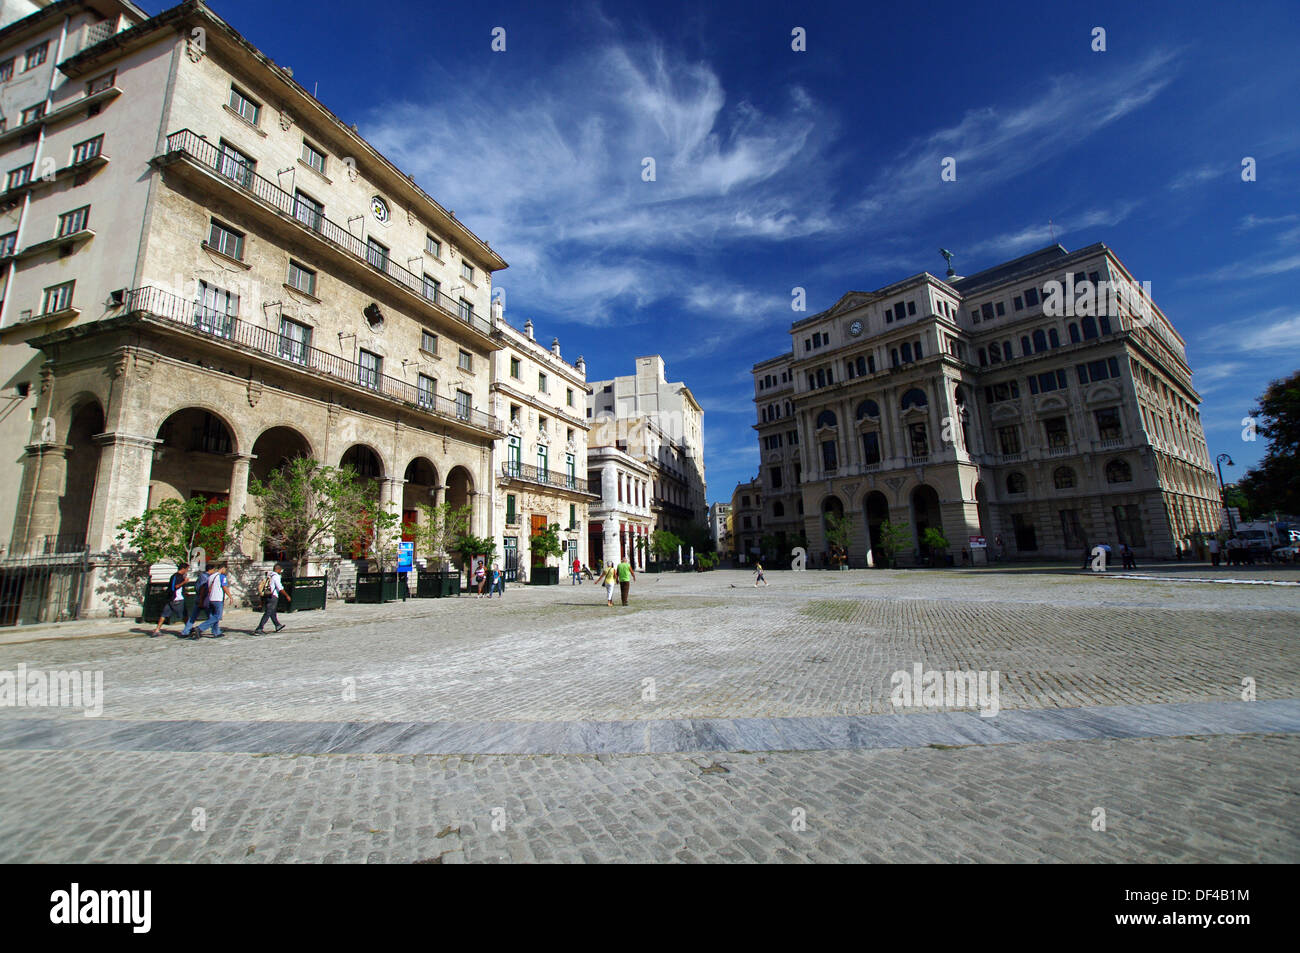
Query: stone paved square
column 707, row 722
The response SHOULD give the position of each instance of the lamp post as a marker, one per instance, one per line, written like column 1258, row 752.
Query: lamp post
column 1223, row 492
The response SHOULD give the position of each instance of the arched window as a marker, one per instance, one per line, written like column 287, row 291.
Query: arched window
column 826, row 419
column 789, row 409
column 915, row 398
column 1118, row 471
column 1024, row 345
column 1016, row 483
column 868, row 408
column 1089, row 328
column 849, row 365
column 995, row 353
column 1040, row 341
column 1064, row 478
column 1054, row 337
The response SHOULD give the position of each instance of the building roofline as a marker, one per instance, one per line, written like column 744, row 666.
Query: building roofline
column 35, row 22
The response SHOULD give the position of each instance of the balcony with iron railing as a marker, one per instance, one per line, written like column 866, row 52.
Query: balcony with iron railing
column 294, row 354
column 544, row 477
column 242, row 178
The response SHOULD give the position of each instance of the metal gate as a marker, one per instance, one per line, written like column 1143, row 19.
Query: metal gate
column 45, row 588
column 511, row 557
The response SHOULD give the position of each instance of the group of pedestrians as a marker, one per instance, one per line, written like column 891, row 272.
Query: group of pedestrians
column 489, row 583
column 212, row 593
column 1127, row 557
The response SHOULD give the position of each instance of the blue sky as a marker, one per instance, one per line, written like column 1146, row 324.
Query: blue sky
column 820, row 169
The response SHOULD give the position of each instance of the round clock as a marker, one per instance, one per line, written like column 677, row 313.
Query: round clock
column 855, row 328
column 380, row 209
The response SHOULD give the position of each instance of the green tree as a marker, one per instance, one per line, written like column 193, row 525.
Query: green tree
column 1274, row 483
column 838, row 529
column 467, row 546
column 664, row 544
column 173, row 529
column 377, row 530
column 436, row 533
column 304, row 503
column 935, row 543
column 894, row 538
column 1233, row 495
column 546, row 542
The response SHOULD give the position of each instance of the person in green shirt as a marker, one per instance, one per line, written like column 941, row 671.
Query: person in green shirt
column 625, row 577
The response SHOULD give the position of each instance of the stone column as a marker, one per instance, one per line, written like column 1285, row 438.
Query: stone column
column 238, row 498
column 121, row 485
column 44, row 478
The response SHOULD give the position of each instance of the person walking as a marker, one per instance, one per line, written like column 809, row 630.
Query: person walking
column 758, row 575
column 607, row 579
column 480, row 580
column 218, row 596
column 1213, row 545
column 269, row 589
column 174, row 607
column 498, row 582
column 625, row 576
column 200, row 603
column 577, row 572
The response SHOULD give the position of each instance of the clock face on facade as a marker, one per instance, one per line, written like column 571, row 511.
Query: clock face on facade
column 380, row 209
column 855, row 328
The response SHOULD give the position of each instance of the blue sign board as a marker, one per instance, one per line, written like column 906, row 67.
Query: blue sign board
column 405, row 556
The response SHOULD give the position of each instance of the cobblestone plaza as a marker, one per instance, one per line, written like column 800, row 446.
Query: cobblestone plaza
column 707, row 721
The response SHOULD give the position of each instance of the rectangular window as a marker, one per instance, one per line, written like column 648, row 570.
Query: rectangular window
column 1128, row 524
column 1009, row 439
column 911, row 308
column 774, row 473
column 295, row 340
column 236, row 166
column 466, row 310
column 573, row 516
column 428, row 342
column 871, row 448
column 541, row 383
column 8, row 244
column 510, row 509
column 1072, row 529
column 377, row 254
column 302, row 278
column 1002, row 309
column 467, row 271
column 36, row 55
column 216, row 310
column 1031, row 297
column 543, row 462
column 369, row 369
column 75, row 221
column 433, row 246
column 313, row 157
column 568, row 397
column 431, row 288
column 308, row 211
column 33, row 113
column 85, row 151
column 57, row 298
column 829, row 459
column 226, row 240
column 245, row 107
column 1058, row 434
column 101, row 83
column 514, row 367
column 466, row 361
column 986, row 312
column 1108, row 424
column 543, row 424
column 1018, row 303
column 918, row 440
column 426, row 389
column 7, row 70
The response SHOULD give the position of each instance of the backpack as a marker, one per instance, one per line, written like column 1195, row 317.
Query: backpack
column 264, row 587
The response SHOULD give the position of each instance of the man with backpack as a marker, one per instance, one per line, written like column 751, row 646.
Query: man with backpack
column 269, row 588
column 218, row 593
column 175, row 605
column 200, row 603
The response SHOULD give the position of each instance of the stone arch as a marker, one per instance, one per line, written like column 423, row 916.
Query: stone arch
column 365, row 460
column 460, row 491
column 925, row 511
column 86, row 420
column 875, row 510
column 194, row 456
column 420, row 484
column 982, row 508
column 274, row 447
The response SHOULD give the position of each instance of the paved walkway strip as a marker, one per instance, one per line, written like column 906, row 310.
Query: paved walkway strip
column 955, row 728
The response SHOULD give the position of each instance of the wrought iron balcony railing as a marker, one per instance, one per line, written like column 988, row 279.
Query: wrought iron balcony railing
column 548, row 477
column 240, row 175
column 295, row 353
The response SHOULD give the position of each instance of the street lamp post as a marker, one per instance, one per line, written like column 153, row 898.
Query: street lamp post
column 1223, row 492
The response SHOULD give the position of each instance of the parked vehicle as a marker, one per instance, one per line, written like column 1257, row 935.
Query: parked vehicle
column 1287, row 554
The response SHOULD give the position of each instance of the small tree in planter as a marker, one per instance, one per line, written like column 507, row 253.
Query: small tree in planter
column 935, row 543
column 664, row 544
column 174, row 529
column 375, row 533
column 894, row 538
column 303, row 503
column 838, row 529
column 467, row 546
column 547, row 544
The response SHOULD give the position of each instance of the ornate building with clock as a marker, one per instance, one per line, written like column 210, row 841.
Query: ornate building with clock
column 1014, row 407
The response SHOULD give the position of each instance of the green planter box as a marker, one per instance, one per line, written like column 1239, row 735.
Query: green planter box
column 652, row 566
column 155, row 597
column 429, row 585
column 308, row 593
column 544, row 576
column 381, row 587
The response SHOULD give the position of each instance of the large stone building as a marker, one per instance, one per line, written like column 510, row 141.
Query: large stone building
column 719, row 518
column 745, row 515
column 660, row 423
column 541, row 475
column 992, row 406
column 206, row 272
column 621, row 520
